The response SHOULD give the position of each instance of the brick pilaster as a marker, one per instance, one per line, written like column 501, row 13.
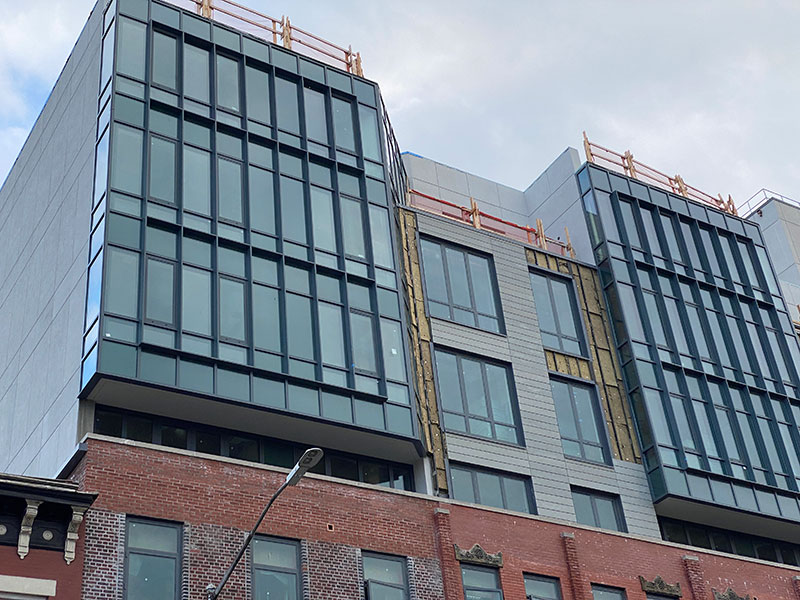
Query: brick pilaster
column 451, row 569
column 581, row 589
column 696, row 577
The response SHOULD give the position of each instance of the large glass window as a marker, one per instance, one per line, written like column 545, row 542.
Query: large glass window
column 276, row 569
column 598, row 509
column 293, row 210
column 492, row 488
column 152, row 556
column 460, row 286
column 316, row 115
column 557, row 309
column 538, row 587
column 196, row 300
column 162, row 169
column 481, row 583
column 196, row 73
column 121, row 283
column 159, row 301
column 230, row 190
column 132, row 40
column 228, row 95
column 165, row 57
column 343, row 124
column 579, row 421
column 257, row 88
column 197, row 180
column 476, row 396
column 385, row 577
column 287, row 105
column 126, row 159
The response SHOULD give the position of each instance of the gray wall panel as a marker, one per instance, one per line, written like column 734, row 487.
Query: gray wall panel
column 44, row 223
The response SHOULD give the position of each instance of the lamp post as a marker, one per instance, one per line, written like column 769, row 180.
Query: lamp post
column 308, row 461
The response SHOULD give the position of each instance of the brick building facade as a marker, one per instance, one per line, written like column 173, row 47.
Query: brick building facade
column 215, row 500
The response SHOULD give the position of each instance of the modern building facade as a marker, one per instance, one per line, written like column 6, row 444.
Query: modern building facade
column 237, row 263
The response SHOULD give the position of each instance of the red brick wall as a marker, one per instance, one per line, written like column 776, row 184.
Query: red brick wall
column 218, row 501
column 47, row 564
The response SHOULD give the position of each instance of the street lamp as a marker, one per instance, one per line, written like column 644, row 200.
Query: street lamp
column 308, row 461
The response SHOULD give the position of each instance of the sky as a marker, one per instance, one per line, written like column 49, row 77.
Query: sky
column 708, row 90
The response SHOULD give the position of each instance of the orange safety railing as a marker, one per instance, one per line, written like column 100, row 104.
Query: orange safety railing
column 278, row 31
column 481, row 220
column 627, row 165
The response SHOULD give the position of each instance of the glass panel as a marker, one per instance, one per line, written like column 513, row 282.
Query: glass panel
column 500, row 397
column 316, row 121
column 150, row 577
column 516, row 494
column 472, row 375
column 563, row 402
column 274, row 554
column 449, row 387
column 435, row 283
column 541, row 588
column 457, row 271
column 480, row 578
column 564, row 303
column 584, row 513
column 393, row 356
column 353, row 228
column 159, row 299
column 489, row 489
column 364, row 342
column 482, row 284
column 228, row 83
column 293, row 210
column 126, row 159
column 299, row 323
column 343, row 124
column 231, row 309
column 230, row 190
column 587, row 416
column 384, row 570
column 322, row 217
column 262, row 200
column 331, row 332
column 544, row 305
column 273, row 584
column 149, row 536
column 630, row 223
column 286, row 105
column 370, row 138
column 462, row 485
column 381, row 237
column 131, row 48
column 606, row 513
column 196, row 73
column 266, row 318
column 197, row 180
column 196, row 302
column 165, row 52
column 121, row 282
column 162, row 169
column 257, row 89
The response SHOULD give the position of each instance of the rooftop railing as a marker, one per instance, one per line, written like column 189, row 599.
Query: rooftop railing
column 480, row 220
column 760, row 198
column 627, row 165
column 278, row 31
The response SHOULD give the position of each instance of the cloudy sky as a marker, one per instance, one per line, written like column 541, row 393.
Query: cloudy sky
column 708, row 89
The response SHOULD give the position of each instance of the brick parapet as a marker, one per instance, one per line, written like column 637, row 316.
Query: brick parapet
column 218, row 500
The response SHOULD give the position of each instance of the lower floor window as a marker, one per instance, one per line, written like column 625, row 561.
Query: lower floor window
column 276, row 569
column 385, row 577
column 152, row 555
column 481, row 583
column 538, row 587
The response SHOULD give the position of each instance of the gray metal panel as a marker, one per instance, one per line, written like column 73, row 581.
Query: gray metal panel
column 542, row 458
column 44, row 224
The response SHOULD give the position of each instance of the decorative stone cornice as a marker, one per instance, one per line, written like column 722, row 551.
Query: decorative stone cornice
column 72, row 533
column 26, row 527
column 731, row 595
column 659, row 586
column 478, row 556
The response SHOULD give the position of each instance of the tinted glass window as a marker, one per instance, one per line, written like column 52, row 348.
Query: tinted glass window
column 159, row 300
column 286, row 105
column 257, row 87
column 162, row 169
column 120, row 284
column 131, row 48
column 343, row 124
column 316, row 121
column 579, row 421
column 228, row 83
column 196, row 72
column 197, row 180
column 165, row 53
column 491, row 488
column 598, row 509
column 230, row 190
column 126, row 159
column 557, row 309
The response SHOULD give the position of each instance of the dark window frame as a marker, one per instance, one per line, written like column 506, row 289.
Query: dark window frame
column 474, row 471
column 391, row 557
column 574, row 308
column 501, row 330
column 499, row 586
column 545, row 578
column 177, row 556
column 512, row 391
column 615, row 499
column 298, row 571
column 597, row 412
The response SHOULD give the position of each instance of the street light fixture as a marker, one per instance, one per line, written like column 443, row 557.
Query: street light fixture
column 308, row 461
